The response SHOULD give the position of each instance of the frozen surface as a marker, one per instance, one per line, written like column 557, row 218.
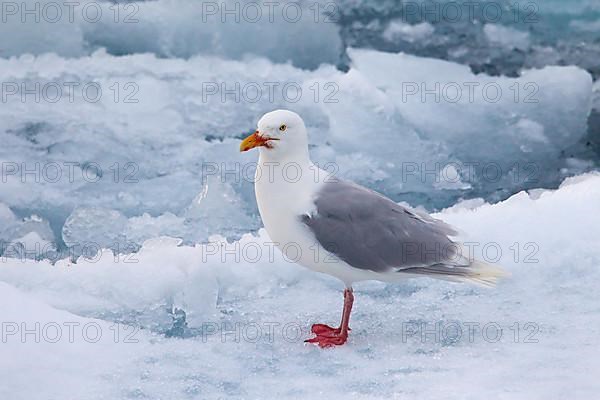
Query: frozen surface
column 504, row 36
column 551, row 296
column 107, row 203
column 174, row 28
column 400, row 30
column 545, row 32
column 311, row 33
column 135, row 147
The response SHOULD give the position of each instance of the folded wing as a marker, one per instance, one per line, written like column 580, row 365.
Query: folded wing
column 369, row 231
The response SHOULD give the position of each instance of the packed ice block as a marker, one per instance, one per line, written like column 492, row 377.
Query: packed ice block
column 132, row 143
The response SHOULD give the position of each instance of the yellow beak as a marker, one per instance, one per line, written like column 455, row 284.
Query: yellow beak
column 255, row 140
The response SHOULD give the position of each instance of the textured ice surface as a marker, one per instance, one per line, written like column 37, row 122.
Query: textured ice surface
column 283, row 31
column 400, row 30
column 504, row 36
column 548, row 347
column 120, row 172
column 180, row 321
column 311, row 33
column 547, row 32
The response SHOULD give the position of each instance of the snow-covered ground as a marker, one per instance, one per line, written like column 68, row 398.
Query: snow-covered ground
column 227, row 321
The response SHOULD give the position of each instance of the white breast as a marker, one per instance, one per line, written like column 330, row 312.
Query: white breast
column 282, row 201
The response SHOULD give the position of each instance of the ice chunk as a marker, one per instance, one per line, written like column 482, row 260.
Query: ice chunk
column 399, row 30
column 291, row 31
column 506, row 36
column 431, row 92
column 165, row 277
column 97, row 227
column 7, row 220
column 498, row 38
column 150, row 157
column 217, row 205
column 6, row 215
column 585, row 25
column 145, row 227
column 596, row 95
column 87, row 229
column 450, row 178
column 38, row 27
column 30, row 237
column 562, row 210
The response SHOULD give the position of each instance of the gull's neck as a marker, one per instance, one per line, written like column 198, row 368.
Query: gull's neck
column 299, row 157
column 285, row 186
column 286, row 180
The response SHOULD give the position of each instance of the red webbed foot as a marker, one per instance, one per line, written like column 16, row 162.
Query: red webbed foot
column 327, row 336
column 325, row 330
column 333, row 339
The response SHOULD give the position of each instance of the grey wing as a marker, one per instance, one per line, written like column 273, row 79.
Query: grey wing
column 370, row 231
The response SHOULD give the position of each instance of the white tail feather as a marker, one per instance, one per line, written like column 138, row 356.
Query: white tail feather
column 477, row 272
column 484, row 274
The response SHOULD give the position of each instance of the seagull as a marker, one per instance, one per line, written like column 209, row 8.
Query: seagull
column 345, row 230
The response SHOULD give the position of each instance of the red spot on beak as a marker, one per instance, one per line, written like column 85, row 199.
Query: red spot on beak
column 256, row 140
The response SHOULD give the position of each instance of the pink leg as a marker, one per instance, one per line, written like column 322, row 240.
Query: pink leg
column 327, row 336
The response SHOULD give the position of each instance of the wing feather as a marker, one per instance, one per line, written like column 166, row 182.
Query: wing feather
column 370, row 231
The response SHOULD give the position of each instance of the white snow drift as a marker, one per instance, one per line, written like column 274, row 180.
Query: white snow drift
column 535, row 335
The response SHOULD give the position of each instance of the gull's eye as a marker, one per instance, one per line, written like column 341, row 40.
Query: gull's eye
column 282, row 128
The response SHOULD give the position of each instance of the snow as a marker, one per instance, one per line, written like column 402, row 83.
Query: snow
column 50, row 353
column 117, row 172
column 393, row 351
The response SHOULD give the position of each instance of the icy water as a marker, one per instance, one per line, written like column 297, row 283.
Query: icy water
column 120, row 130
column 117, row 128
